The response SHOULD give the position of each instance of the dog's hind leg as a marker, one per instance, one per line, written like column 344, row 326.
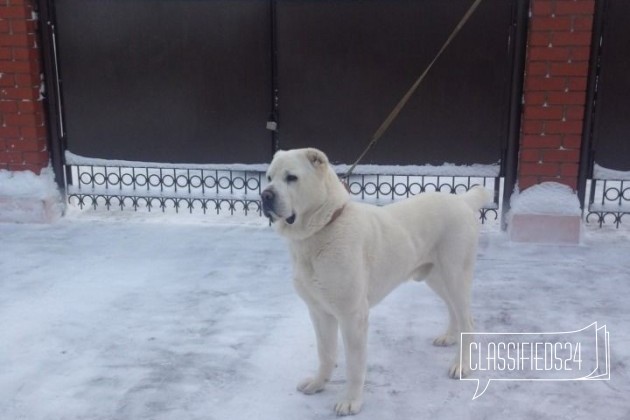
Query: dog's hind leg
column 461, row 306
column 426, row 271
column 454, row 286
column 450, row 335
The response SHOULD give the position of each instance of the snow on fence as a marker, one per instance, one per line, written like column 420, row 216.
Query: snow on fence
column 124, row 185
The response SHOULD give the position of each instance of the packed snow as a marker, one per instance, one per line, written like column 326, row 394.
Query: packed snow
column 600, row 172
column 446, row 169
column 117, row 315
column 123, row 315
column 546, row 198
column 27, row 197
column 28, row 184
column 78, row 160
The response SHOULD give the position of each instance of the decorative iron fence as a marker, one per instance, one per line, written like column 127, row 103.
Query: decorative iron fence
column 608, row 202
column 236, row 188
column 384, row 188
column 208, row 190
column 232, row 189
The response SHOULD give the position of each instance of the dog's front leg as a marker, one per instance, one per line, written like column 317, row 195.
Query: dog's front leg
column 354, row 329
column 326, row 329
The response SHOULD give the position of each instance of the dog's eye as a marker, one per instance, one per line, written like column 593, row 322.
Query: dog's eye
column 292, row 178
column 268, row 179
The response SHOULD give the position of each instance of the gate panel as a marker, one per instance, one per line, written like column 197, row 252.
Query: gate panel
column 182, row 81
column 343, row 65
column 611, row 134
column 606, row 151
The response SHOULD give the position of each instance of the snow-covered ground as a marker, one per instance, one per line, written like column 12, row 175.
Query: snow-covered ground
column 127, row 316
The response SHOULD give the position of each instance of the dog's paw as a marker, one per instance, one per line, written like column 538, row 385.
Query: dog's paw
column 311, row 386
column 445, row 340
column 348, row 407
column 458, row 371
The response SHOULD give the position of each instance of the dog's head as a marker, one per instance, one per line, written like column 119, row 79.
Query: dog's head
column 302, row 192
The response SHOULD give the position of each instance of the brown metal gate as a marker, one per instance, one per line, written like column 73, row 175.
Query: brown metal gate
column 195, row 81
column 202, row 82
column 182, row 81
column 611, row 125
column 606, row 151
column 343, row 65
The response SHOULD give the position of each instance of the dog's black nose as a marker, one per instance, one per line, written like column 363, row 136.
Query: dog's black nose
column 267, row 198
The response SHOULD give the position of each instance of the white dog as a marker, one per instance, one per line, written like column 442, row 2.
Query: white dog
column 348, row 256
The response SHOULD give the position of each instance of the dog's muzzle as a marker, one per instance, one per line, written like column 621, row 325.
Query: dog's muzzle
column 268, row 198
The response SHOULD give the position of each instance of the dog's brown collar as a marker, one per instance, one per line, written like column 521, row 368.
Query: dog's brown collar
column 335, row 215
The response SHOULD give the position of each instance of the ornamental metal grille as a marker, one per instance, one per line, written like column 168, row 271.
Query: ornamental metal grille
column 237, row 190
column 154, row 188
column 382, row 189
column 609, row 201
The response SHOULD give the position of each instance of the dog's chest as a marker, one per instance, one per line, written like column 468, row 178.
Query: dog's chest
column 312, row 284
column 305, row 272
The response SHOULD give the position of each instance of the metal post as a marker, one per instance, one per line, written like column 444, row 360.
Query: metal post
column 52, row 100
column 585, row 170
column 518, row 50
column 274, row 77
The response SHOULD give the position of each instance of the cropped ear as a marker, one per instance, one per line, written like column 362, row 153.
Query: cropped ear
column 316, row 157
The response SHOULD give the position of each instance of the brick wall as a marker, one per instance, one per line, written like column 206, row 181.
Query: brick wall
column 557, row 65
column 23, row 143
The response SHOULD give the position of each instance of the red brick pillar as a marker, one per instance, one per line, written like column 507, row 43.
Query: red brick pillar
column 23, row 142
column 556, row 71
column 557, row 64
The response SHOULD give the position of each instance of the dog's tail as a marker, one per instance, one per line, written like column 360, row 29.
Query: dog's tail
column 477, row 197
